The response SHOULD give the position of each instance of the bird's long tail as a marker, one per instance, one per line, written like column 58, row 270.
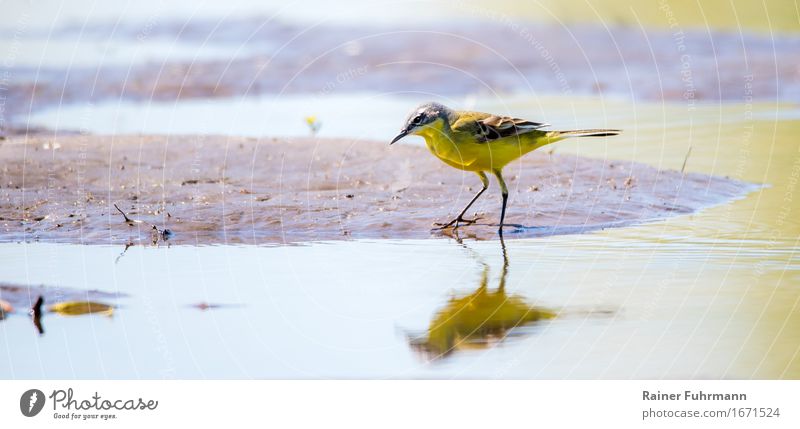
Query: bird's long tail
column 556, row 136
column 582, row 133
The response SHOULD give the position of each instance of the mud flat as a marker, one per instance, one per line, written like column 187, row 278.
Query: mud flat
column 212, row 190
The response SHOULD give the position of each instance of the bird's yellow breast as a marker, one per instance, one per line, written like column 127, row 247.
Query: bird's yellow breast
column 441, row 144
column 463, row 151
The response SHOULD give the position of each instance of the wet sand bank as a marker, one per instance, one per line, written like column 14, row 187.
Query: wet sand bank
column 210, row 190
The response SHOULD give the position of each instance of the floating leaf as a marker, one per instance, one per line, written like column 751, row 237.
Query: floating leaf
column 76, row 308
column 5, row 308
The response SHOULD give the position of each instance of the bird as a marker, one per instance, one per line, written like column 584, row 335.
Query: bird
column 481, row 143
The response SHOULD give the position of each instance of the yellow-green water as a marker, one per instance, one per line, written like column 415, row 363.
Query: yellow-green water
column 742, row 256
column 729, row 15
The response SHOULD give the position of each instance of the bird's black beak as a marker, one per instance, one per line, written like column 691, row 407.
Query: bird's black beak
column 399, row 136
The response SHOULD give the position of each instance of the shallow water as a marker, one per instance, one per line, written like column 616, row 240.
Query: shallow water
column 44, row 52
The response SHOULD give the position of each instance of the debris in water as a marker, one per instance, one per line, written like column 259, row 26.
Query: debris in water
column 209, row 306
column 77, row 308
column 5, row 308
column 36, row 313
column 204, row 306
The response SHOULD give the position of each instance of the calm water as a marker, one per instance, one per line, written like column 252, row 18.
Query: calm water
column 713, row 294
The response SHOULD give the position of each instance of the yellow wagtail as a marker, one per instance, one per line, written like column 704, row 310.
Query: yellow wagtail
column 481, row 142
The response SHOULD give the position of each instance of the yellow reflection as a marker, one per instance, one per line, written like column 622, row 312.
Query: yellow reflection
column 77, row 308
column 479, row 319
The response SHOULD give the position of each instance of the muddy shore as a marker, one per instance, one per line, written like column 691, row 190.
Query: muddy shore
column 208, row 190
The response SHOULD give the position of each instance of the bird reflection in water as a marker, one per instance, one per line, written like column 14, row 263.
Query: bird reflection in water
column 479, row 319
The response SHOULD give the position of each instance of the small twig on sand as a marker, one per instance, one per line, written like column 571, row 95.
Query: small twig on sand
column 685, row 159
column 128, row 220
column 156, row 234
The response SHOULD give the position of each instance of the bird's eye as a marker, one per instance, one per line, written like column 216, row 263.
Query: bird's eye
column 417, row 119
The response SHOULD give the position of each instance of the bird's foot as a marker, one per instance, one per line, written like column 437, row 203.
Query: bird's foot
column 455, row 223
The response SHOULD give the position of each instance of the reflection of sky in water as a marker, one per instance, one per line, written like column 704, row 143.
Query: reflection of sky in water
column 45, row 14
column 249, row 116
column 359, row 115
column 74, row 51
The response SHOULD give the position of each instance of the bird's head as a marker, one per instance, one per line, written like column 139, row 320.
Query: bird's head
column 423, row 117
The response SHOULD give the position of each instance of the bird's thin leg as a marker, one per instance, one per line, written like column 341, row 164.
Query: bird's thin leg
column 460, row 218
column 499, row 174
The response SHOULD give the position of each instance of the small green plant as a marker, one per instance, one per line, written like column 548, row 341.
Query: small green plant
column 313, row 124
